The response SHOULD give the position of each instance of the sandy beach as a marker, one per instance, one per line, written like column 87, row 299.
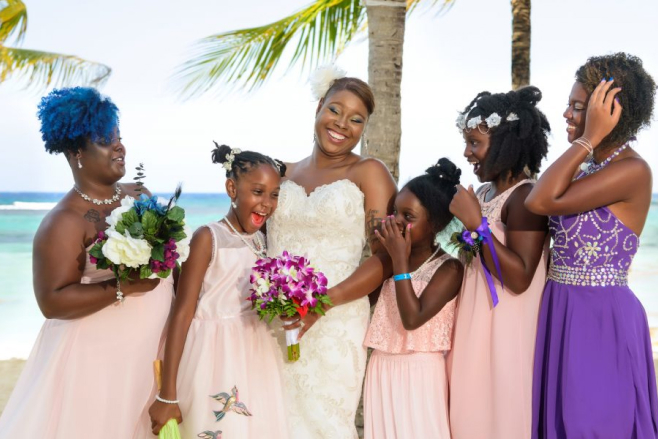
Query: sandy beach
column 9, row 372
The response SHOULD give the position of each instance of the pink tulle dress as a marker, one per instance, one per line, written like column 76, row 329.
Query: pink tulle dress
column 230, row 353
column 406, row 386
column 92, row 376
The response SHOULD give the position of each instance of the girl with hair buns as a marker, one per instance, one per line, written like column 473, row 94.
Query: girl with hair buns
column 492, row 354
column 406, row 386
column 329, row 206
column 89, row 373
column 221, row 363
column 594, row 370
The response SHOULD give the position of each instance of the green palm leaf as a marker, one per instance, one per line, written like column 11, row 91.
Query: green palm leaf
column 45, row 69
column 249, row 56
column 13, row 17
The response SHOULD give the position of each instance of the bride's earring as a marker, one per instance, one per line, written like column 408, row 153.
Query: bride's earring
column 234, row 205
column 79, row 164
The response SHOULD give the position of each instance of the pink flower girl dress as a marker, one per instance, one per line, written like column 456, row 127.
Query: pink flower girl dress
column 406, row 387
column 229, row 378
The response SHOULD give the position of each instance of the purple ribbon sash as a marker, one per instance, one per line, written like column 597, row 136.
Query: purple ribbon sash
column 484, row 231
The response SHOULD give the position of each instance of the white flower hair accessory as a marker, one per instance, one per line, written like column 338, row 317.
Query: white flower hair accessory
column 493, row 120
column 228, row 165
column 461, row 122
column 323, row 78
column 474, row 122
column 512, row 117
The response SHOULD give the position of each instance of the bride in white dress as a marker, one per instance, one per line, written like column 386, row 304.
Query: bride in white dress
column 327, row 210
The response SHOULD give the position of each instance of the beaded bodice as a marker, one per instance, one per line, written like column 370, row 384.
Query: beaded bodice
column 591, row 248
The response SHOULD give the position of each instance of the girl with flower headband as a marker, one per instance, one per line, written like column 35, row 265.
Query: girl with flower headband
column 89, row 373
column 492, row 354
column 329, row 205
column 594, row 372
column 221, row 366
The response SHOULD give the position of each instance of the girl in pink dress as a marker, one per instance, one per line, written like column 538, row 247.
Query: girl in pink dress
column 406, row 385
column 493, row 347
column 221, row 370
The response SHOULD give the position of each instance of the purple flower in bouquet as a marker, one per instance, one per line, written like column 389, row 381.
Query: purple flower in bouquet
column 286, row 286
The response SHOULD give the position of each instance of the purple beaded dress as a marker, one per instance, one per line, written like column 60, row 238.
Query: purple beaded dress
column 593, row 375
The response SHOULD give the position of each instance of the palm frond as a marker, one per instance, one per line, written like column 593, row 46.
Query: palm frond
column 43, row 69
column 247, row 57
column 445, row 5
column 13, row 18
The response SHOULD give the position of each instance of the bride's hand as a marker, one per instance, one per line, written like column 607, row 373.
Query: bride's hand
column 290, row 322
column 308, row 321
column 603, row 112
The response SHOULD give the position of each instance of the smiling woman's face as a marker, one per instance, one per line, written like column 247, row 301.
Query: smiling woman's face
column 339, row 122
column 576, row 112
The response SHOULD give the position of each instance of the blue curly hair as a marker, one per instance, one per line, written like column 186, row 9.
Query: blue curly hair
column 69, row 116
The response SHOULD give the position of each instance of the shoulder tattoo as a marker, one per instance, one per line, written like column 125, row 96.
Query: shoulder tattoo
column 93, row 216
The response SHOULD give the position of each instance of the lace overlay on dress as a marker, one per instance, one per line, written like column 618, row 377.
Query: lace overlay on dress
column 386, row 332
column 324, row 386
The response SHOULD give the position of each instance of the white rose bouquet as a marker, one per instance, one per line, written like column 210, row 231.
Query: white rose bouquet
column 147, row 236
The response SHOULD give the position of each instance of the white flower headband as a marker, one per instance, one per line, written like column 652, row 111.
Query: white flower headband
column 323, row 78
column 492, row 121
column 230, row 157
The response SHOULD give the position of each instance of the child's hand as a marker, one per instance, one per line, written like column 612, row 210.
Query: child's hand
column 397, row 245
column 161, row 413
column 466, row 207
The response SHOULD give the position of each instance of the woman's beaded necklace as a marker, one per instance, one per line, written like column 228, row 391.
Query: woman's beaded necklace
column 115, row 198
column 257, row 247
column 590, row 166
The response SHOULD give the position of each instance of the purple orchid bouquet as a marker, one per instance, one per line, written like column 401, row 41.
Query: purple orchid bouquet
column 286, row 286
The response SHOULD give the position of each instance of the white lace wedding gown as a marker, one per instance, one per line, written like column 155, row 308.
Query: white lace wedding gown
column 322, row 389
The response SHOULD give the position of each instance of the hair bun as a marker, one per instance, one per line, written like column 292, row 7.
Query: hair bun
column 529, row 95
column 220, row 153
column 444, row 171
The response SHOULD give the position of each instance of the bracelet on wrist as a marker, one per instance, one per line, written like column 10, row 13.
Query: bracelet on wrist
column 120, row 296
column 166, row 401
column 402, row 276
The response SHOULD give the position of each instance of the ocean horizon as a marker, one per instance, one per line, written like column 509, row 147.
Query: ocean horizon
column 22, row 212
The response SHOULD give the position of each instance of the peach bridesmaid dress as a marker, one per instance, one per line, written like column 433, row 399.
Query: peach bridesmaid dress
column 491, row 361
column 92, row 376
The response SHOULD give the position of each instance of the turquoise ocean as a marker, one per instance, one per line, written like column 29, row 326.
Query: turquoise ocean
column 21, row 213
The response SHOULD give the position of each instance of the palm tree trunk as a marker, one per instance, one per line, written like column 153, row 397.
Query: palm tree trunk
column 386, row 20
column 520, row 43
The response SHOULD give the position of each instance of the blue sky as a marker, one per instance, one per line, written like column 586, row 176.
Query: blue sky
column 447, row 60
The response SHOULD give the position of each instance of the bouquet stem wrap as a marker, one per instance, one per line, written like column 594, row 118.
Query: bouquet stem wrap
column 292, row 343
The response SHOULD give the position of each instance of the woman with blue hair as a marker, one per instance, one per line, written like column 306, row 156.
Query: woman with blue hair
column 89, row 373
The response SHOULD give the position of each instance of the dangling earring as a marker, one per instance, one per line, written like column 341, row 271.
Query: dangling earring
column 234, row 205
column 79, row 164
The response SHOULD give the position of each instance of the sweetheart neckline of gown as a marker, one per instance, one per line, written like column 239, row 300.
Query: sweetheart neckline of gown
column 323, row 186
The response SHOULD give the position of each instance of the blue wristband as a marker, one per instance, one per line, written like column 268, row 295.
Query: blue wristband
column 402, row 276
